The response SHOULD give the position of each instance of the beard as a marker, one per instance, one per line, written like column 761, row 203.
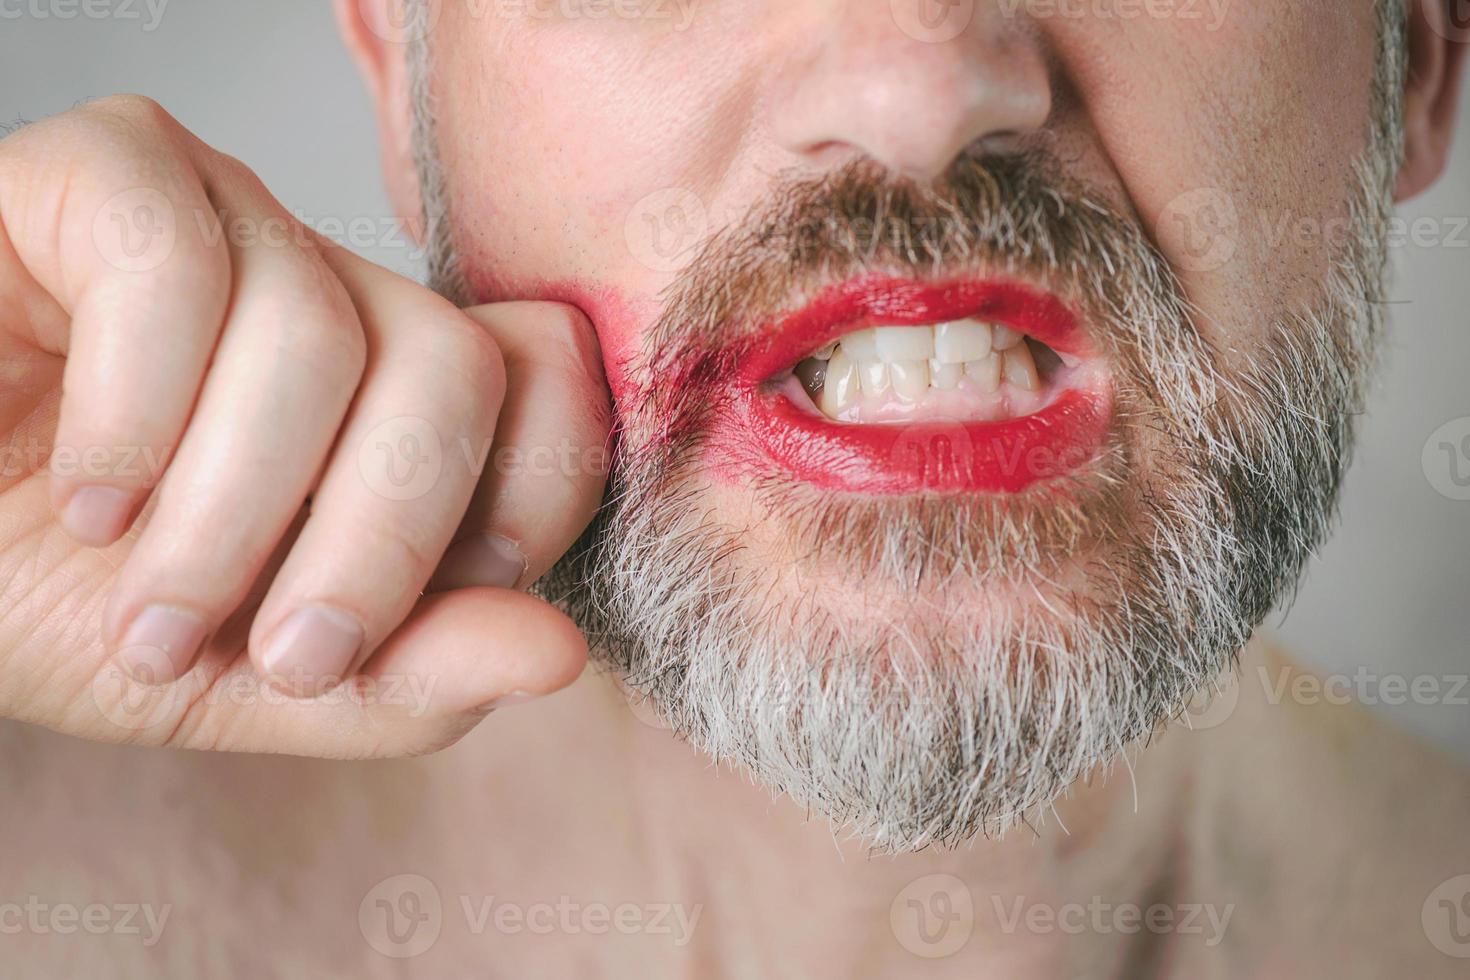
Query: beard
column 923, row 669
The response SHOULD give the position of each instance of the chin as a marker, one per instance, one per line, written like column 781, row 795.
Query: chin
column 921, row 548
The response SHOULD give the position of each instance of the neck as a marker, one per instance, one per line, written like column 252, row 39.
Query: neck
column 759, row 866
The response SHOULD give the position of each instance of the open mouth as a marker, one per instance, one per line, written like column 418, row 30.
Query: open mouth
column 884, row 385
column 963, row 370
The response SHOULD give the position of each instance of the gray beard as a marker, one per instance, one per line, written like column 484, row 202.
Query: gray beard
column 943, row 710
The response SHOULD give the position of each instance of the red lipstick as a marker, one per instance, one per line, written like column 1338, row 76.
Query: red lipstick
column 925, row 456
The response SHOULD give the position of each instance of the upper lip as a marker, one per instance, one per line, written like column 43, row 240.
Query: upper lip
column 881, row 300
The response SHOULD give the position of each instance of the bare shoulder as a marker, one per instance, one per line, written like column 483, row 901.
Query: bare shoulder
column 1324, row 820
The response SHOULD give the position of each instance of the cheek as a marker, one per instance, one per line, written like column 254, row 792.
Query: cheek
column 1234, row 141
column 586, row 159
column 618, row 316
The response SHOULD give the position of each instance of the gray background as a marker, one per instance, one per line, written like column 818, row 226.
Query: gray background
column 266, row 81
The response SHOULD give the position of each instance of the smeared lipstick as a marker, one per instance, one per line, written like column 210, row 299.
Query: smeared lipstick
column 924, row 455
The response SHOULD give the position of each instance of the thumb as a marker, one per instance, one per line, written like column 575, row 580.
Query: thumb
column 543, row 478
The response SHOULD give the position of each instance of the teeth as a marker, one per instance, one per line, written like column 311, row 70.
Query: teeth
column 841, row 387
column 945, row 376
column 861, row 345
column 904, row 343
column 985, row 373
column 1005, row 338
column 1020, row 368
column 910, row 379
column 872, row 376
column 910, row 361
column 961, row 341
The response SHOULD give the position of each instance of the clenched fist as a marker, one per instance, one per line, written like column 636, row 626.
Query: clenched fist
column 253, row 495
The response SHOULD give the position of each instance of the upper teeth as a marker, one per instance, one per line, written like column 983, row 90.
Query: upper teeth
column 909, row 360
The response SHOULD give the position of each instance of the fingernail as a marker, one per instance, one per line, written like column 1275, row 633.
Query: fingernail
column 97, row 516
column 160, row 644
column 482, row 560
column 313, row 645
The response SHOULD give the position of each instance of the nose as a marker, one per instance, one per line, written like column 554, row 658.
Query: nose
column 909, row 84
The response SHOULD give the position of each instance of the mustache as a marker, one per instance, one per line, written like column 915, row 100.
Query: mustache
column 1017, row 214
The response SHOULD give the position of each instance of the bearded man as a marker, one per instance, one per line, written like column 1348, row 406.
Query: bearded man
column 897, row 401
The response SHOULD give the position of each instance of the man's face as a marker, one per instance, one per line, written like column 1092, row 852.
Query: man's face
column 925, row 575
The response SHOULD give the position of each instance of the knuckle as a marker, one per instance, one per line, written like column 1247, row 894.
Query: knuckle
column 140, row 109
column 132, row 106
column 131, row 124
column 115, row 135
column 234, row 176
column 405, row 542
column 455, row 342
column 315, row 321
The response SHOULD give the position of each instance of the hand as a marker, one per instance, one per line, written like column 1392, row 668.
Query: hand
column 232, row 437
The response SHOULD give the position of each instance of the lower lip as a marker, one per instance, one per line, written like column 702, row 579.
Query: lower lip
column 924, row 457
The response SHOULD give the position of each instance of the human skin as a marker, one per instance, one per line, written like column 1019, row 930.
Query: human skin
column 1152, row 109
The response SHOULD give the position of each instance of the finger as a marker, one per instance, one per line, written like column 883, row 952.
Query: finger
column 286, row 369
column 543, row 479
column 457, row 657
column 395, row 488
column 105, row 212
